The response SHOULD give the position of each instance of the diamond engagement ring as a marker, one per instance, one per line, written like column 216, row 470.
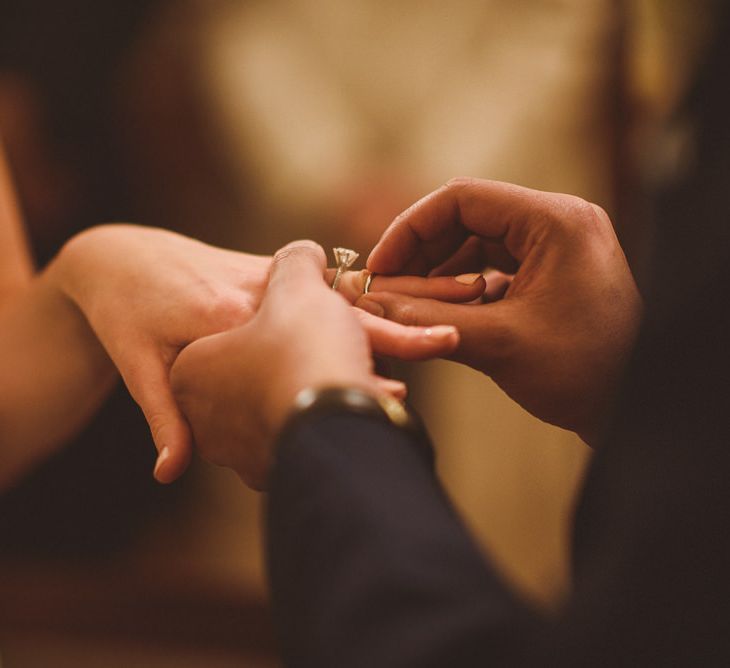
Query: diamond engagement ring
column 344, row 259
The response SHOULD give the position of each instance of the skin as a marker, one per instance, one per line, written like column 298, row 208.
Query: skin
column 128, row 299
column 55, row 375
column 554, row 326
column 562, row 309
column 16, row 269
column 124, row 300
column 236, row 388
column 153, row 292
column 117, row 298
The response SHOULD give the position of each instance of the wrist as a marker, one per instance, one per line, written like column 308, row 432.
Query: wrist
column 57, row 278
column 313, row 402
column 280, row 395
column 55, row 282
column 63, row 269
column 69, row 320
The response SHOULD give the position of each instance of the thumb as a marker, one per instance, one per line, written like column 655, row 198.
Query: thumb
column 486, row 332
column 148, row 383
column 297, row 263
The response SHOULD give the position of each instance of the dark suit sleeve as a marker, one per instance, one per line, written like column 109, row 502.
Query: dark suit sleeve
column 369, row 564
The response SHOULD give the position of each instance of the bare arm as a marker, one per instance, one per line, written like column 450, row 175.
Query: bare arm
column 118, row 297
column 129, row 297
column 54, row 374
column 16, row 266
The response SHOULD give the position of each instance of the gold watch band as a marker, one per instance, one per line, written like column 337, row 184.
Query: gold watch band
column 328, row 400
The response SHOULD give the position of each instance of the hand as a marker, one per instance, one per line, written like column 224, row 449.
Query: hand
column 457, row 289
column 147, row 293
column 564, row 308
column 237, row 387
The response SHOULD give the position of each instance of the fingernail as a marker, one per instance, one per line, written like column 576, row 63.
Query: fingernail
column 467, row 279
column 371, row 307
column 440, row 332
column 161, row 459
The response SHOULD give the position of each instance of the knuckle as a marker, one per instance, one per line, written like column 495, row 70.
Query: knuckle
column 460, row 183
column 600, row 212
column 578, row 210
column 227, row 309
column 573, row 216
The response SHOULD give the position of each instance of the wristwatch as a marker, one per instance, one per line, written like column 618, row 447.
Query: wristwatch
column 332, row 400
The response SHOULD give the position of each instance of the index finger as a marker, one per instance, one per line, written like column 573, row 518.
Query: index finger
column 428, row 233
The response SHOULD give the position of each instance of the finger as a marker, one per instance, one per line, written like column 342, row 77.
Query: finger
column 498, row 257
column 485, row 333
column 428, row 233
column 395, row 388
column 468, row 258
column 497, row 286
column 478, row 254
column 298, row 264
column 148, row 383
column 408, row 343
column 462, row 288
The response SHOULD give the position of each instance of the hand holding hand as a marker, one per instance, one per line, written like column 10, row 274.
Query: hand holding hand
column 147, row 293
column 564, row 308
column 237, row 387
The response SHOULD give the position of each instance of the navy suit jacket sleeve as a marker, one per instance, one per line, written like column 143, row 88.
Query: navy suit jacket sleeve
column 369, row 565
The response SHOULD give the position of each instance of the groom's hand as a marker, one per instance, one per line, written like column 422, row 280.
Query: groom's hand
column 236, row 388
column 564, row 308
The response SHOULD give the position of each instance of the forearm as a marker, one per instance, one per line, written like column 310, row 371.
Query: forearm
column 54, row 374
column 16, row 265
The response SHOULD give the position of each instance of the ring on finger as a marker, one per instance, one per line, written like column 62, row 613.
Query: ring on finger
column 369, row 275
column 344, row 259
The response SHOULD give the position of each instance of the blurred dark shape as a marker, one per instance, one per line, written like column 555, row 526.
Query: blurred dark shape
column 91, row 499
column 70, row 54
column 64, row 58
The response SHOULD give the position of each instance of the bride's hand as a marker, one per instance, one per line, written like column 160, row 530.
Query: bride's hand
column 237, row 387
column 147, row 293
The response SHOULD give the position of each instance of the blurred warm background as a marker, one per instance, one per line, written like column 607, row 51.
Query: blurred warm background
column 250, row 123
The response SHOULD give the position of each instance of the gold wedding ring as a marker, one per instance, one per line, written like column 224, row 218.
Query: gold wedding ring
column 369, row 275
